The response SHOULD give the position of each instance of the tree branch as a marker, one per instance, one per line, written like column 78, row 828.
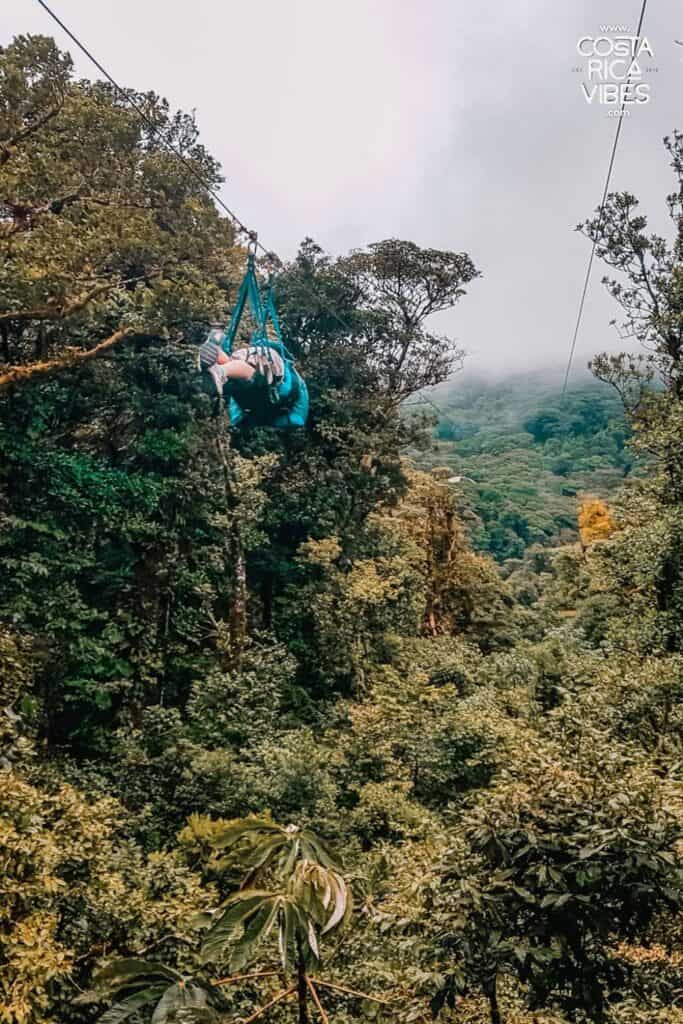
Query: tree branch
column 316, row 1000
column 8, row 147
column 60, row 311
column 350, row 991
column 24, row 216
column 72, row 357
column 267, row 1006
column 244, row 977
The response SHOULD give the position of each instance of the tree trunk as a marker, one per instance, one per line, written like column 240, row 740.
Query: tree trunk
column 237, row 618
column 238, row 605
column 491, row 993
column 66, row 361
column 301, row 986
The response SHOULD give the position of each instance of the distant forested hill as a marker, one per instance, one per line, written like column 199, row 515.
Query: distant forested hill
column 531, row 455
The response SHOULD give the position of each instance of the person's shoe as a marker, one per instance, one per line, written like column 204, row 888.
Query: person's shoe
column 209, row 352
column 216, row 375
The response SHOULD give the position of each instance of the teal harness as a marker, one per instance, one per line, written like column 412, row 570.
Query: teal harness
column 281, row 401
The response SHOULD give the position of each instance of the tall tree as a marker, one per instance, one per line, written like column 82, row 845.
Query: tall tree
column 104, row 233
column 648, row 284
column 400, row 286
column 645, row 561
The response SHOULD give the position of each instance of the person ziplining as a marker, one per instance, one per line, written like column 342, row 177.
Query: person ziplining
column 258, row 380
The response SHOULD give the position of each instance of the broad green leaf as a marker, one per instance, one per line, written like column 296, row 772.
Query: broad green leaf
column 291, row 857
column 313, row 940
column 180, row 996
column 255, row 931
column 130, row 968
column 288, row 928
column 312, row 848
column 126, row 1007
column 242, row 828
column 263, row 851
column 167, row 1004
column 226, row 927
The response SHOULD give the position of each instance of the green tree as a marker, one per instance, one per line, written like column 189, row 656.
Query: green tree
column 74, row 886
column 306, row 897
column 343, row 319
column 645, row 561
column 556, row 871
column 400, row 285
column 113, row 240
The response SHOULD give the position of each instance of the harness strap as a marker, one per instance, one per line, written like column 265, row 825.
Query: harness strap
column 268, row 356
column 249, row 292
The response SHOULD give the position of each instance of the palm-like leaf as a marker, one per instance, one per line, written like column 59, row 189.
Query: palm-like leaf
column 254, row 933
column 310, row 898
column 261, row 842
column 251, row 830
column 131, row 1004
column 179, row 996
column 314, row 900
column 120, row 973
column 138, row 983
column 235, row 920
column 342, row 904
column 322, row 892
column 286, row 934
column 246, row 920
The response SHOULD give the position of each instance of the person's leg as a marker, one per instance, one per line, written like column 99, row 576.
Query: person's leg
column 231, row 369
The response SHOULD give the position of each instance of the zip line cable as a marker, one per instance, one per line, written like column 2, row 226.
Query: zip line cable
column 253, row 236
column 150, row 124
column 601, row 212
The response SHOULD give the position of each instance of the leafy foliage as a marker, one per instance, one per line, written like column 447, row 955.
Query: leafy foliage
column 312, row 899
column 558, row 865
column 595, row 521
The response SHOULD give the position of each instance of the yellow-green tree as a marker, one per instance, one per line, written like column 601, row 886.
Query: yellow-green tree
column 74, row 890
column 463, row 592
column 595, row 521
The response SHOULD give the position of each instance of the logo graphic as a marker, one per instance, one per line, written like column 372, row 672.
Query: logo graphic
column 614, row 65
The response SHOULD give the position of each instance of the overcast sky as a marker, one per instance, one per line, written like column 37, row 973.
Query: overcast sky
column 456, row 124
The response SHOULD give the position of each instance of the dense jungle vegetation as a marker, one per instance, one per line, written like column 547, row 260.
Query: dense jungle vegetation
column 530, row 454
column 276, row 741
